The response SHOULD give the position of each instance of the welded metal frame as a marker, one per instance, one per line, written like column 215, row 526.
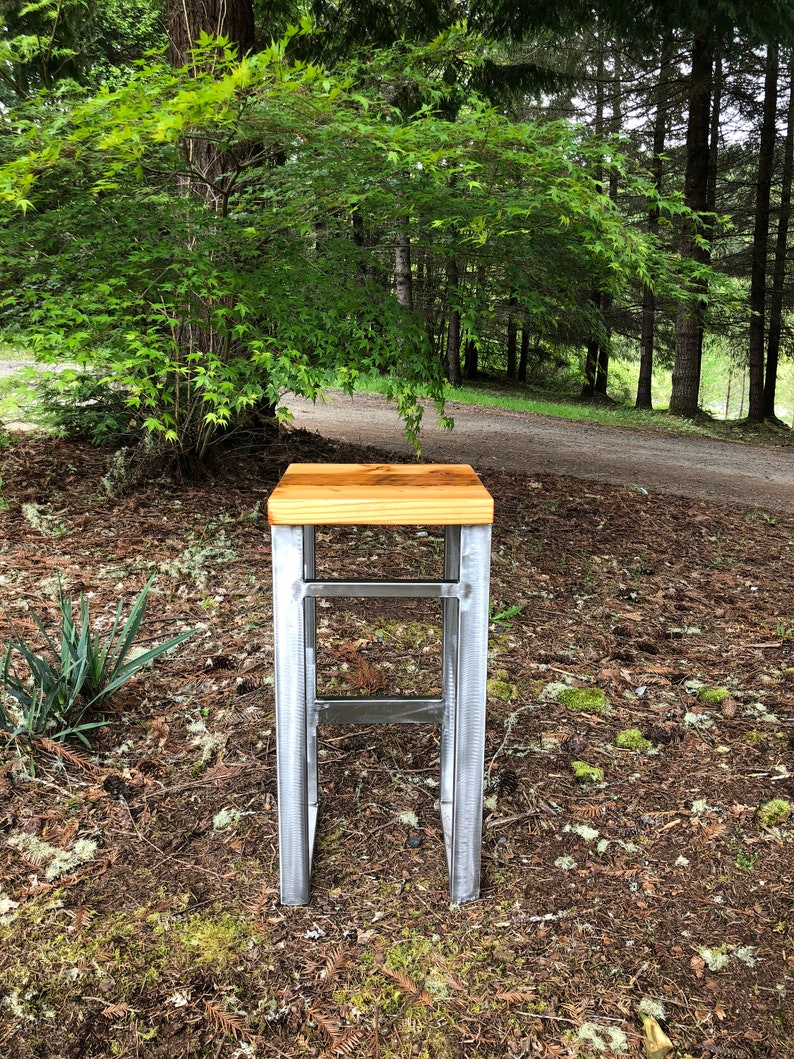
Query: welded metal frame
column 460, row 710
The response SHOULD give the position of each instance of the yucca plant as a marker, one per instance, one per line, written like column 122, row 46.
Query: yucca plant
column 66, row 688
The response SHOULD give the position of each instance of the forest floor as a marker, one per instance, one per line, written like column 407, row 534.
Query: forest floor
column 139, row 910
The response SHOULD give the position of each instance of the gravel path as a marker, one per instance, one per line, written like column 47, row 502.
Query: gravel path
column 723, row 472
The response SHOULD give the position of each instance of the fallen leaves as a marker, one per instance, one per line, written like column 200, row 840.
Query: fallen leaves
column 654, row 886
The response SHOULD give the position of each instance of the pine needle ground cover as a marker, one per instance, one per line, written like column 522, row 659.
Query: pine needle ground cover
column 638, row 890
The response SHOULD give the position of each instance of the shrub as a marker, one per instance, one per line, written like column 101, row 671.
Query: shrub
column 86, row 406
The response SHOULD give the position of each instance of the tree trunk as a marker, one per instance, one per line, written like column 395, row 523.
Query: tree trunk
column 766, row 153
column 711, row 193
column 602, row 370
column 471, row 361
column 187, row 19
column 453, row 328
column 593, row 345
column 523, row 358
column 512, row 341
column 648, row 327
column 403, row 279
column 591, row 359
column 211, row 177
column 689, row 319
column 779, row 274
column 615, row 127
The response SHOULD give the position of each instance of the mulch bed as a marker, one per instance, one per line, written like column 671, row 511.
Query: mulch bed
column 658, row 889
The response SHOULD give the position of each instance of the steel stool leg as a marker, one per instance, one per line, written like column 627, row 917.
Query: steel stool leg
column 464, row 665
column 469, row 727
column 289, row 634
column 449, row 681
column 310, row 625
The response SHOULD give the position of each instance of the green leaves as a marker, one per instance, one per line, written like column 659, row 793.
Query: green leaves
column 193, row 233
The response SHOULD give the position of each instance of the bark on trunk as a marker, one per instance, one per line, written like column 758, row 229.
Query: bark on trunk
column 471, row 361
column 211, row 177
column 512, row 341
column 590, row 365
column 779, row 274
column 598, row 345
column 523, row 358
column 647, row 338
column 689, row 318
column 403, row 279
column 593, row 349
column 615, row 126
column 453, row 327
column 187, row 20
column 222, row 18
column 648, row 331
column 602, row 370
column 766, row 152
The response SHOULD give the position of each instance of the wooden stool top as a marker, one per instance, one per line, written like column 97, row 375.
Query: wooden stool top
column 379, row 494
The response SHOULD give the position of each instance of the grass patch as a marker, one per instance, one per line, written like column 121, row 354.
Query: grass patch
column 521, row 399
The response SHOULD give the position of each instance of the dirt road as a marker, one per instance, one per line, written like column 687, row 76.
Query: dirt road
column 724, row 472
column 534, row 444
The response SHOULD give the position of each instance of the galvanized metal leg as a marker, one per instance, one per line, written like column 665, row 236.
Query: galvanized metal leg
column 462, row 707
column 449, row 683
column 469, row 728
column 310, row 626
column 289, row 630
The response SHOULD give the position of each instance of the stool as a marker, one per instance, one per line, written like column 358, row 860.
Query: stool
column 312, row 494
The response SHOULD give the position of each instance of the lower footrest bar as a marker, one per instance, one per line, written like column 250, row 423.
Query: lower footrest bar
column 399, row 710
column 382, row 589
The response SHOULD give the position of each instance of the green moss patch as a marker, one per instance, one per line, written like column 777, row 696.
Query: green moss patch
column 713, row 696
column 633, row 739
column 773, row 812
column 587, row 773
column 585, row 700
column 501, row 689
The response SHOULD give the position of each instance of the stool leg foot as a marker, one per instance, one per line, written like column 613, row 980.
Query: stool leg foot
column 291, row 720
column 469, row 726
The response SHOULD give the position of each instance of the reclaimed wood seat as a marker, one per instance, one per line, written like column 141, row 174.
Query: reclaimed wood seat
column 448, row 495
column 390, row 494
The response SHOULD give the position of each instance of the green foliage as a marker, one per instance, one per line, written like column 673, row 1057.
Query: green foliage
column 84, row 405
column 745, row 861
column 47, row 43
column 191, row 234
column 68, row 685
column 504, row 615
